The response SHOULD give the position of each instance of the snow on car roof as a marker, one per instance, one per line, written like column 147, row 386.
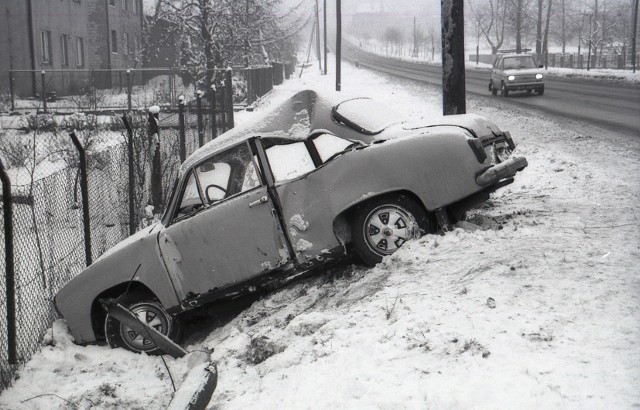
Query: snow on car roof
column 291, row 120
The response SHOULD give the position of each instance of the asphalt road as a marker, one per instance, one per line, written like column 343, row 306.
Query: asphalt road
column 611, row 105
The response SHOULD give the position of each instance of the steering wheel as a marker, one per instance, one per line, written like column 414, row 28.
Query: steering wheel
column 224, row 191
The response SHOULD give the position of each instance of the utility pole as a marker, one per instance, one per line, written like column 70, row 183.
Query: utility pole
column 415, row 50
column 453, row 77
column 590, row 35
column 338, row 43
column 318, row 53
column 324, row 12
column 635, row 33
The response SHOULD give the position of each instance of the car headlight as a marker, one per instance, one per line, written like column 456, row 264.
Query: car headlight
column 511, row 77
column 538, row 76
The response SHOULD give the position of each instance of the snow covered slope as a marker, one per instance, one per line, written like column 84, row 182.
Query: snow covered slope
column 533, row 302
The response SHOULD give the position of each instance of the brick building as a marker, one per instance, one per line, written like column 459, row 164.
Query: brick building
column 74, row 35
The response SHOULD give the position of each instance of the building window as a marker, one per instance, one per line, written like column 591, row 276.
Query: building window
column 114, row 41
column 79, row 52
column 112, row 3
column 125, row 4
column 45, row 46
column 135, row 6
column 126, row 46
column 64, row 48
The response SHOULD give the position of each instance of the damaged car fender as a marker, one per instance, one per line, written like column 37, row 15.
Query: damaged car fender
column 135, row 260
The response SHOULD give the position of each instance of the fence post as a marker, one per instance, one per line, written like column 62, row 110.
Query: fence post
column 129, row 89
column 199, row 118
column 214, row 122
column 131, row 176
column 249, row 77
column 44, row 91
column 12, row 91
column 7, row 205
column 156, row 164
column 229, row 96
column 84, row 191
column 182, row 148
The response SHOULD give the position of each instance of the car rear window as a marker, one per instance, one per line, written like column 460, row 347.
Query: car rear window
column 365, row 115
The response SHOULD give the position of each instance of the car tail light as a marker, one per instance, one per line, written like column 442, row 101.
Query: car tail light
column 478, row 149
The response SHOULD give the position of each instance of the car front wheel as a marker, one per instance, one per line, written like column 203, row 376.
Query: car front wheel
column 503, row 90
column 151, row 312
column 492, row 88
column 382, row 225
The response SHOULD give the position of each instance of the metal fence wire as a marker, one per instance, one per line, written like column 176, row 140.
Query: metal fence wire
column 47, row 203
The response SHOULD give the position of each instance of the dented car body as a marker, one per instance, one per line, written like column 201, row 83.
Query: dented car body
column 266, row 202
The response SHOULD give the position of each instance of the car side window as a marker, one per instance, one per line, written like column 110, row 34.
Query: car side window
column 191, row 199
column 219, row 177
column 328, row 145
column 289, row 161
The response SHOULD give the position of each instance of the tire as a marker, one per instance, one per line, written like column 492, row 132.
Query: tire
column 147, row 306
column 541, row 91
column 492, row 89
column 378, row 222
column 503, row 90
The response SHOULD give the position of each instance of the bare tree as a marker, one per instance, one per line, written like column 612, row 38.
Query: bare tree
column 491, row 21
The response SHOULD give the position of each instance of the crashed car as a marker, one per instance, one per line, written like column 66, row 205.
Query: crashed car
column 516, row 72
column 319, row 178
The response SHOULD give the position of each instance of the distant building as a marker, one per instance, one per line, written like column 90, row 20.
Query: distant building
column 78, row 35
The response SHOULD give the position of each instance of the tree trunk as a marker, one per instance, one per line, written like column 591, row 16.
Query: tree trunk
column 539, row 48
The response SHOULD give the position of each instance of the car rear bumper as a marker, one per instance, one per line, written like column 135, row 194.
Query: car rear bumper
column 505, row 169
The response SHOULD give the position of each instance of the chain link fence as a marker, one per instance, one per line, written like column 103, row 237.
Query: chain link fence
column 81, row 182
column 105, row 90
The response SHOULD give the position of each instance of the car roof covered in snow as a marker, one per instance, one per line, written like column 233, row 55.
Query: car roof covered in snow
column 290, row 120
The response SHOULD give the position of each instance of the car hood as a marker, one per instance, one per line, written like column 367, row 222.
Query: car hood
column 477, row 124
column 136, row 237
column 523, row 71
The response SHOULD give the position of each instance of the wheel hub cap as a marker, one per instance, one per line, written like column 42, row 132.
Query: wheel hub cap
column 152, row 317
column 388, row 227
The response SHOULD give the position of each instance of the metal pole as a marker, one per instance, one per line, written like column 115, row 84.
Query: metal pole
column 199, row 118
column 129, row 89
column 338, row 45
column 635, row 33
column 453, row 76
column 182, row 147
column 589, row 55
column 84, row 190
column 156, row 164
column 229, row 96
column 7, row 206
column 214, row 120
column 131, row 184
column 12, row 90
column 44, row 91
column 318, row 37
column 324, row 12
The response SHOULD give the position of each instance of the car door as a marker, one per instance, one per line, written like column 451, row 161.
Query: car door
column 224, row 230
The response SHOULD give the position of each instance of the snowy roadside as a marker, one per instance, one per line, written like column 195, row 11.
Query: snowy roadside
column 558, row 253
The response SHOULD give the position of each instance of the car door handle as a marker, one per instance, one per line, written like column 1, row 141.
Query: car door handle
column 262, row 200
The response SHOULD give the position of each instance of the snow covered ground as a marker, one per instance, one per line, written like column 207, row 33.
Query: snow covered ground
column 533, row 302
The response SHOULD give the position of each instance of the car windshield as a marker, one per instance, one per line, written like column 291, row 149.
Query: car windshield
column 519, row 62
column 365, row 115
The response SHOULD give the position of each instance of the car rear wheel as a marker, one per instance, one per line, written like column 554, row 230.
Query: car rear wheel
column 382, row 225
column 503, row 90
column 150, row 311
